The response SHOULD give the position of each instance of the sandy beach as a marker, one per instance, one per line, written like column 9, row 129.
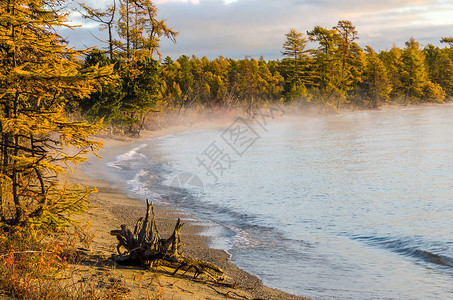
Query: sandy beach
column 110, row 208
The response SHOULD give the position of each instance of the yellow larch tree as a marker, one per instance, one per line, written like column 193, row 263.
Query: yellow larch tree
column 39, row 76
column 140, row 30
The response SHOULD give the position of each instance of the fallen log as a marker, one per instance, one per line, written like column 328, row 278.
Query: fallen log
column 145, row 248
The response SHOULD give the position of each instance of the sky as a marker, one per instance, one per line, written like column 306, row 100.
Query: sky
column 254, row 28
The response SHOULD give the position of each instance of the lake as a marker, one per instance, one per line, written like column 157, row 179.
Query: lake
column 349, row 206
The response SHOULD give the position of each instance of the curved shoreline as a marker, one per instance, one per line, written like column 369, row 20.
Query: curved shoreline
column 124, row 207
column 112, row 207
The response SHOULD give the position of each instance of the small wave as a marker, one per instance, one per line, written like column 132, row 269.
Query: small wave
column 243, row 239
column 128, row 156
column 138, row 185
column 405, row 247
column 246, row 234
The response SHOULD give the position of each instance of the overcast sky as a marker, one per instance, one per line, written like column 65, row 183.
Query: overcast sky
column 240, row 28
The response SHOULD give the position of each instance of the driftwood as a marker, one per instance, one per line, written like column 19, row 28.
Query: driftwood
column 146, row 248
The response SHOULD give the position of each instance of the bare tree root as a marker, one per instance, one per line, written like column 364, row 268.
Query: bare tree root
column 145, row 248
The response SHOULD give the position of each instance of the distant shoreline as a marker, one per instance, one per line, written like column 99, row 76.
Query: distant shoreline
column 166, row 123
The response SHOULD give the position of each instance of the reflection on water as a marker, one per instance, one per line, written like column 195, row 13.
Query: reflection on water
column 352, row 206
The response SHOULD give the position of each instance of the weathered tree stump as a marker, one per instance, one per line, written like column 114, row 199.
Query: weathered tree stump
column 145, row 248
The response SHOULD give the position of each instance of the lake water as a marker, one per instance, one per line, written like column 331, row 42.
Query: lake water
column 350, row 206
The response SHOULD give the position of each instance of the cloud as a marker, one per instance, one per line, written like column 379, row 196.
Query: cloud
column 256, row 27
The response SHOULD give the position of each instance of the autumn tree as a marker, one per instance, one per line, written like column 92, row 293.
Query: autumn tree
column 273, row 82
column 392, row 60
column 326, row 66
column 447, row 40
column 203, row 80
column 338, row 63
column 324, row 63
column 170, row 89
column 414, row 76
column 376, row 82
column 294, row 46
column 106, row 18
column 225, row 89
column 184, row 82
column 440, row 66
column 350, row 57
column 39, row 75
column 140, row 30
column 296, row 62
column 255, row 84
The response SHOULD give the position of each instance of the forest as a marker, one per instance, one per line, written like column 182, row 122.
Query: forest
column 335, row 72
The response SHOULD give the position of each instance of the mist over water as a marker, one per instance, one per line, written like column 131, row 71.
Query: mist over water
column 352, row 206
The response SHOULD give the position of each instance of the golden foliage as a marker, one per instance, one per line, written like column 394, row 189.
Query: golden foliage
column 39, row 76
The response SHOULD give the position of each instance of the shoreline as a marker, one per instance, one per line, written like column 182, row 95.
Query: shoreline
column 116, row 206
column 111, row 207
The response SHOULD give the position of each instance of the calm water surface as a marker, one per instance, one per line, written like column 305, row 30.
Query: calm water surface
column 352, row 206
